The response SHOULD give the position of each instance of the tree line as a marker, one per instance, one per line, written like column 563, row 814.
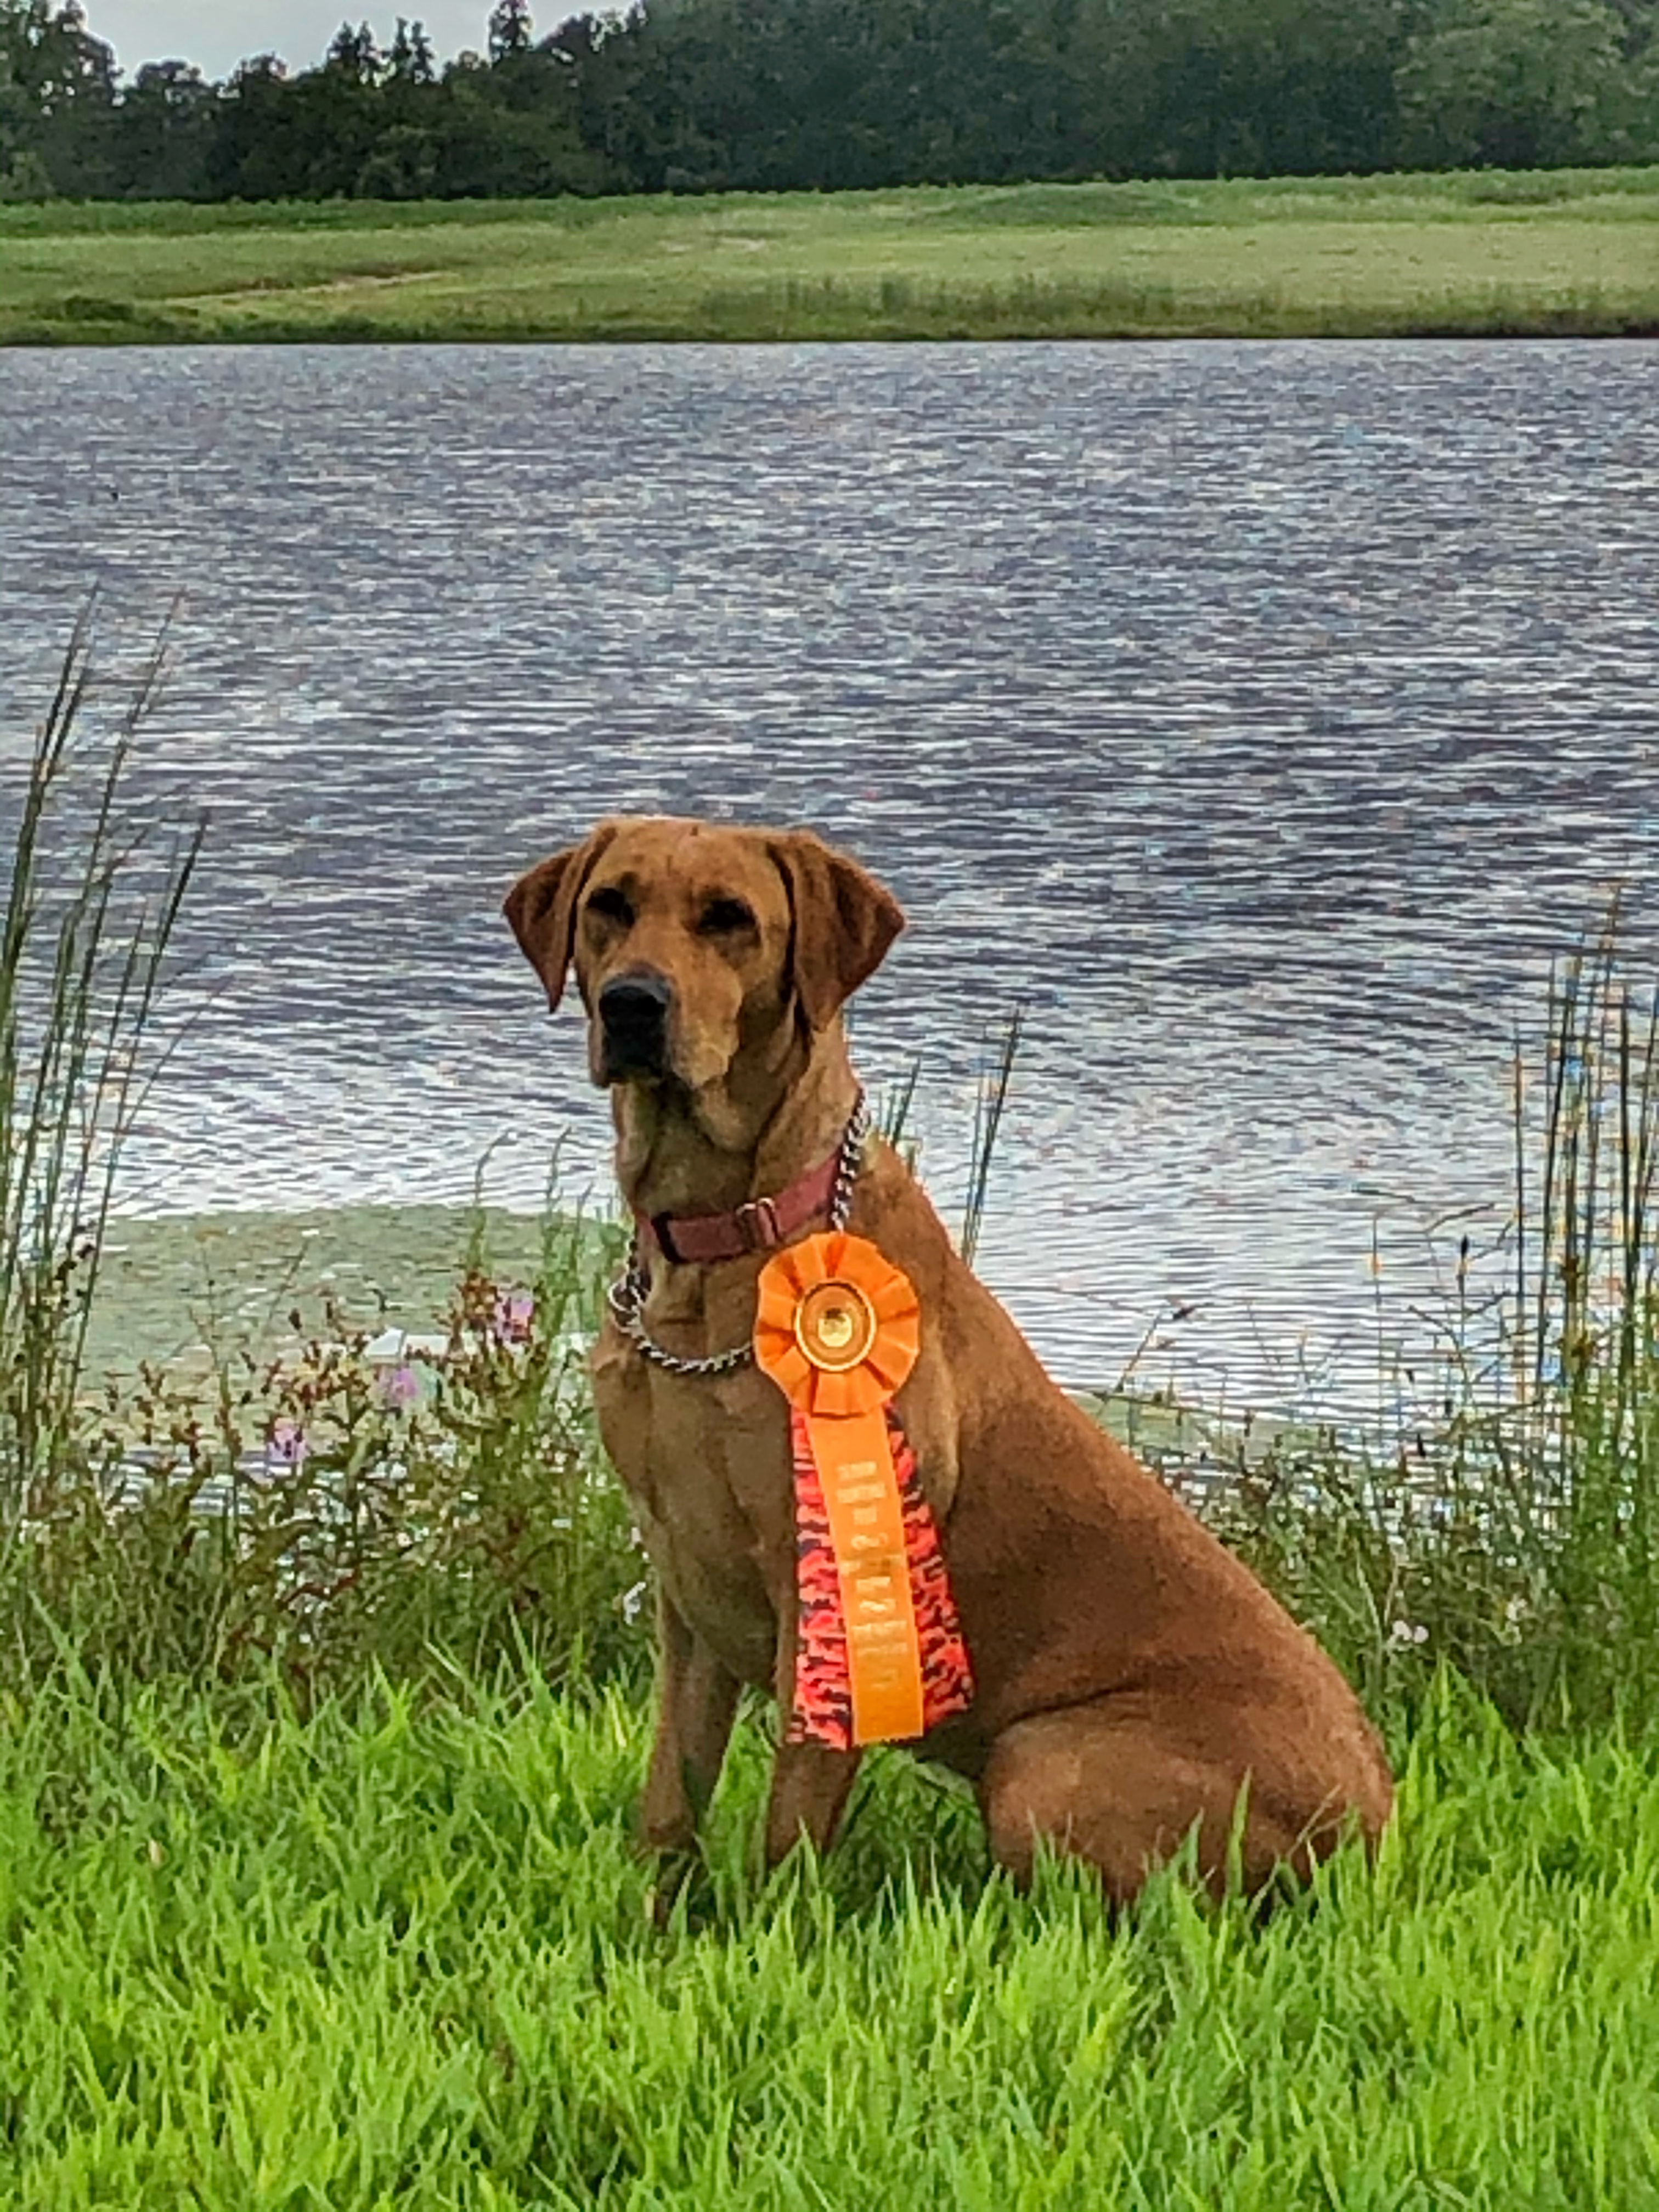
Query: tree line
column 714, row 95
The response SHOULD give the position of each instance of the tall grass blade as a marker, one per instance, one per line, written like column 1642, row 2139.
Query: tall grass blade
column 90, row 912
column 990, row 1104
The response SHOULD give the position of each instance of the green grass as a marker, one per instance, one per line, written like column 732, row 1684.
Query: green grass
column 400, row 1955
column 1477, row 252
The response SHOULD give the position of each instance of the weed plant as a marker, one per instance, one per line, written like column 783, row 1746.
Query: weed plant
column 336, row 1516
column 1514, row 1535
column 317, row 1512
column 90, row 903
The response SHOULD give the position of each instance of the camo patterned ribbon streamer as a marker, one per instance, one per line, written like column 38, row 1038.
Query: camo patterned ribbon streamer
column 822, row 1708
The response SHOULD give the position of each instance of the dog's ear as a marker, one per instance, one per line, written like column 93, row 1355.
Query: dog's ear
column 842, row 921
column 542, row 907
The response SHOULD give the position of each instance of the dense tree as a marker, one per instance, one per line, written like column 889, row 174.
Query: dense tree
column 514, row 129
column 510, row 29
column 258, row 153
column 411, row 60
column 165, row 131
column 1515, row 84
column 1287, row 86
column 354, row 55
column 702, row 95
column 57, row 113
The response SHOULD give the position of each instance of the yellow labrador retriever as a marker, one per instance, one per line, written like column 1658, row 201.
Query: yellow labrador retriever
column 1131, row 1677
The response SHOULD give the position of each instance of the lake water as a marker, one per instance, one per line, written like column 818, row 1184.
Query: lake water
column 1262, row 717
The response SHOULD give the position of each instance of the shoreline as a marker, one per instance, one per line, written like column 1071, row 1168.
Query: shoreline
column 190, row 1293
column 185, row 1290
column 1504, row 328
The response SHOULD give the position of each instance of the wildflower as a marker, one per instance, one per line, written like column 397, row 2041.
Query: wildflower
column 514, row 1312
column 1408, row 1631
column 633, row 1602
column 400, row 1389
column 285, row 1445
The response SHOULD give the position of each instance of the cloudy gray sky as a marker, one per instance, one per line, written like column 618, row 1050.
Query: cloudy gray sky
column 216, row 35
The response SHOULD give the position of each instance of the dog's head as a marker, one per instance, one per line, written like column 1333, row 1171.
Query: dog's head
column 697, row 947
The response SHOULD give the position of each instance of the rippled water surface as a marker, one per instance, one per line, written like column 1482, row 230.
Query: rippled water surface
column 1264, row 717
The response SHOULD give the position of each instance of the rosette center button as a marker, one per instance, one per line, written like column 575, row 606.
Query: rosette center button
column 834, row 1326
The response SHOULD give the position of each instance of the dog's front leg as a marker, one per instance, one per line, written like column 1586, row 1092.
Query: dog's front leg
column 809, row 1782
column 697, row 1698
column 810, row 1785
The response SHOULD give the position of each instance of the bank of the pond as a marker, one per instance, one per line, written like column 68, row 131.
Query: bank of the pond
column 188, row 1292
column 1491, row 253
column 400, row 1955
column 197, row 1294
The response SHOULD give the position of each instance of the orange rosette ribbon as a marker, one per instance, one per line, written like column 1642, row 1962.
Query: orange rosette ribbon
column 838, row 1329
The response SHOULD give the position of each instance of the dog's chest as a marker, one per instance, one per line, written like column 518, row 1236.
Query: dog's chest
column 706, row 1463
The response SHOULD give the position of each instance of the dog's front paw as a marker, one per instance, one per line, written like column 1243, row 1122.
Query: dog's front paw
column 681, row 1891
column 673, row 1870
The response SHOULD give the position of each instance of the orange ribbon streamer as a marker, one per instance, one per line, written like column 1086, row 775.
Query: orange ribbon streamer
column 838, row 1329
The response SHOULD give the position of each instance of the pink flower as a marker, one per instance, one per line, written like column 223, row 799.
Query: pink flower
column 285, row 1445
column 400, row 1389
column 514, row 1312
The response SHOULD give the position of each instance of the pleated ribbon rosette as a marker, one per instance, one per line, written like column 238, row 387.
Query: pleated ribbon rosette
column 880, row 1656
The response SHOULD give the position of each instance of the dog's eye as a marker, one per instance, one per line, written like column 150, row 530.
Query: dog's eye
column 722, row 915
column 610, row 905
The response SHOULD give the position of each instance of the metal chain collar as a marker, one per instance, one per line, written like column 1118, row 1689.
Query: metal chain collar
column 627, row 1296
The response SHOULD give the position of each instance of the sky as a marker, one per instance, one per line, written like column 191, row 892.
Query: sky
column 215, row 35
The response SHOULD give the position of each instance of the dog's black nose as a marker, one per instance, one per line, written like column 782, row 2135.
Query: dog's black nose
column 634, row 1013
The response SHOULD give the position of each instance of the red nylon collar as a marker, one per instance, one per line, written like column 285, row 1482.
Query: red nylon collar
column 760, row 1224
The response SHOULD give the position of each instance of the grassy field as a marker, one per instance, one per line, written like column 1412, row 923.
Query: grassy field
column 397, row 1956
column 1487, row 252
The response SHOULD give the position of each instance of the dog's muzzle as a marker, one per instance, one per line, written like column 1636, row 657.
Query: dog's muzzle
column 634, row 1011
